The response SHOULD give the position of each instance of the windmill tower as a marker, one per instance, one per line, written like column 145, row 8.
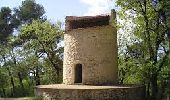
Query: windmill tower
column 90, row 51
column 90, row 69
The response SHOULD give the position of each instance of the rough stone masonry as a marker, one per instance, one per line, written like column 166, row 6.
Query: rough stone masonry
column 90, row 70
column 91, row 42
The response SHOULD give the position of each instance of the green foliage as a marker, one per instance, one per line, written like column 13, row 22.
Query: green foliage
column 3, row 78
column 32, row 56
column 6, row 24
column 147, row 56
column 43, row 37
column 28, row 11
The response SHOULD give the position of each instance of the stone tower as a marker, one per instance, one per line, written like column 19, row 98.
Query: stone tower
column 90, row 51
column 90, row 63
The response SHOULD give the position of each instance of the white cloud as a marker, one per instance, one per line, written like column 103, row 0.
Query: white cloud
column 97, row 7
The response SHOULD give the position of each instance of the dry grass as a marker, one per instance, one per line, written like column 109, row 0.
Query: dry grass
column 23, row 98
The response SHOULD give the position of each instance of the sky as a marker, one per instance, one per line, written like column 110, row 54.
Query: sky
column 56, row 10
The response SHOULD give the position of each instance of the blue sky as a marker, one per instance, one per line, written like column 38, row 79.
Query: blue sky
column 58, row 9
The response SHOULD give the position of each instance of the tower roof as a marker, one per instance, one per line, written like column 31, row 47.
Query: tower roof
column 74, row 22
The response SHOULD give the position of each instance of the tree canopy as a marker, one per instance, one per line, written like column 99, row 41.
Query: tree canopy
column 148, row 55
column 30, row 53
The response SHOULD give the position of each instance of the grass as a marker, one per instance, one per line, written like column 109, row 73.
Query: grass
column 23, row 98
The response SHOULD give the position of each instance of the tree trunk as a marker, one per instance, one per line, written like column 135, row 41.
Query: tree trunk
column 161, row 90
column 20, row 81
column 51, row 57
column 147, row 91
column 13, row 86
column 154, row 87
column 12, row 82
column 37, row 76
column 11, row 78
column 3, row 92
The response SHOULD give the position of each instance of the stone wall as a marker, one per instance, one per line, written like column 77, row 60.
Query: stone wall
column 112, row 93
column 96, row 49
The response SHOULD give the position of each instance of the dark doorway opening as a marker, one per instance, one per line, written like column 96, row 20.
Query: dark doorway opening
column 78, row 73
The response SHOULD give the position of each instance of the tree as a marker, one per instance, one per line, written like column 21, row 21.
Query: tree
column 3, row 82
column 7, row 24
column 42, row 39
column 28, row 11
column 151, row 54
column 12, row 60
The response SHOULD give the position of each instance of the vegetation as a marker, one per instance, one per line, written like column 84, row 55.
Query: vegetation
column 30, row 53
column 145, row 59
